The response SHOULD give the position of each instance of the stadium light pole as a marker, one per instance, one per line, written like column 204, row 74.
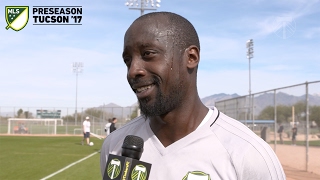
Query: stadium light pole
column 143, row 5
column 77, row 68
column 249, row 45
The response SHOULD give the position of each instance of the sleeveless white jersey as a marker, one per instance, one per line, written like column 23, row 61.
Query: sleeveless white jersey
column 222, row 148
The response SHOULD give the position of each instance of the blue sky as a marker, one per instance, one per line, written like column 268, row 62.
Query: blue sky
column 36, row 62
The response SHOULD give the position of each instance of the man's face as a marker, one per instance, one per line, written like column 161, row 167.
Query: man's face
column 155, row 72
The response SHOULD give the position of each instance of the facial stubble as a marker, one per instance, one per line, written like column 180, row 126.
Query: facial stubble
column 162, row 104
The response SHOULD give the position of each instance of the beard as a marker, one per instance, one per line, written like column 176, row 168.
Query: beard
column 163, row 104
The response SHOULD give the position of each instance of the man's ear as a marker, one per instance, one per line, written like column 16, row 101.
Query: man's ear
column 193, row 56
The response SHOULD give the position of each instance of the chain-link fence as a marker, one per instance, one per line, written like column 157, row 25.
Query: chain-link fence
column 263, row 112
column 295, row 107
column 69, row 122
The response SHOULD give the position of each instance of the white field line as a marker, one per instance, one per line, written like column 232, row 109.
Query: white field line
column 96, row 135
column 68, row 166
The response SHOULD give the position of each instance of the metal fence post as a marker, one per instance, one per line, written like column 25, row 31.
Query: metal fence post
column 252, row 111
column 307, row 126
column 275, row 120
column 66, row 124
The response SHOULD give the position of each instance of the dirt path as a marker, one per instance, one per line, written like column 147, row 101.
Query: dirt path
column 293, row 160
column 295, row 174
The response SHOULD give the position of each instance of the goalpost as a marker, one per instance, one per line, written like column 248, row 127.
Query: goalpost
column 33, row 126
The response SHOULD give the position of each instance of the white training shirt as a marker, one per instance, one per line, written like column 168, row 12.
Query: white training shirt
column 86, row 125
column 107, row 128
column 222, row 148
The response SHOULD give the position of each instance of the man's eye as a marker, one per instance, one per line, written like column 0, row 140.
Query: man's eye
column 148, row 53
column 126, row 60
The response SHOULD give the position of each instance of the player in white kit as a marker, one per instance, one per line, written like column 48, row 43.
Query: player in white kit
column 183, row 139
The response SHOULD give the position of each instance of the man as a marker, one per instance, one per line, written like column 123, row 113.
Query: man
column 182, row 137
column 294, row 134
column 280, row 131
column 22, row 129
column 113, row 124
column 86, row 130
column 107, row 127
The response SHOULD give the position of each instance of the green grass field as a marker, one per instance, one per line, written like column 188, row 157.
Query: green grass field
column 33, row 158
column 28, row 158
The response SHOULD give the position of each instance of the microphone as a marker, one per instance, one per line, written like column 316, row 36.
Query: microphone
column 128, row 166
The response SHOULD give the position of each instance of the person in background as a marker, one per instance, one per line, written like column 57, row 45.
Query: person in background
column 280, row 131
column 107, row 127
column 113, row 124
column 294, row 134
column 86, row 130
column 22, row 129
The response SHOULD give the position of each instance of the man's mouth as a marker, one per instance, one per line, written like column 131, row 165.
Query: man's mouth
column 144, row 88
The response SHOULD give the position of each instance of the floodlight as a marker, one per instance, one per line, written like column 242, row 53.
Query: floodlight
column 77, row 69
column 249, row 45
column 143, row 5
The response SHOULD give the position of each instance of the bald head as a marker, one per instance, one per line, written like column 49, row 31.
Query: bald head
column 183, row 32
column 161, row 52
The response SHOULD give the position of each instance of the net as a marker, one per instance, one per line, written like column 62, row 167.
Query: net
column 33, row 126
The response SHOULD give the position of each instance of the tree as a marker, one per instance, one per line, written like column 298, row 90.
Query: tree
column 71, row 118
column 300, row 110
column 26, row 114
column 95, row 112
column 283, row 113
column 68, row 118
column 19, row 112
column 314, row 112
column 134, row 113
column 267, row 113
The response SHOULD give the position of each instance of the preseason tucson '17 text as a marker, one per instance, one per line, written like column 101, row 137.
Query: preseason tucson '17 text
column 56, row 15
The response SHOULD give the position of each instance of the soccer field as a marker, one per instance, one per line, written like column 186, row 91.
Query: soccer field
column 29, row 157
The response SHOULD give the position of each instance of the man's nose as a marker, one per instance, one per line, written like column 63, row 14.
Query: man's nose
column 136, row 68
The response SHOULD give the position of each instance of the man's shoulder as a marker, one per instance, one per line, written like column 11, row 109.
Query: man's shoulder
column 233, row 134
column 244, row 146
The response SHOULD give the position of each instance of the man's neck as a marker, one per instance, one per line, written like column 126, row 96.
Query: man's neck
column 178, row 123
